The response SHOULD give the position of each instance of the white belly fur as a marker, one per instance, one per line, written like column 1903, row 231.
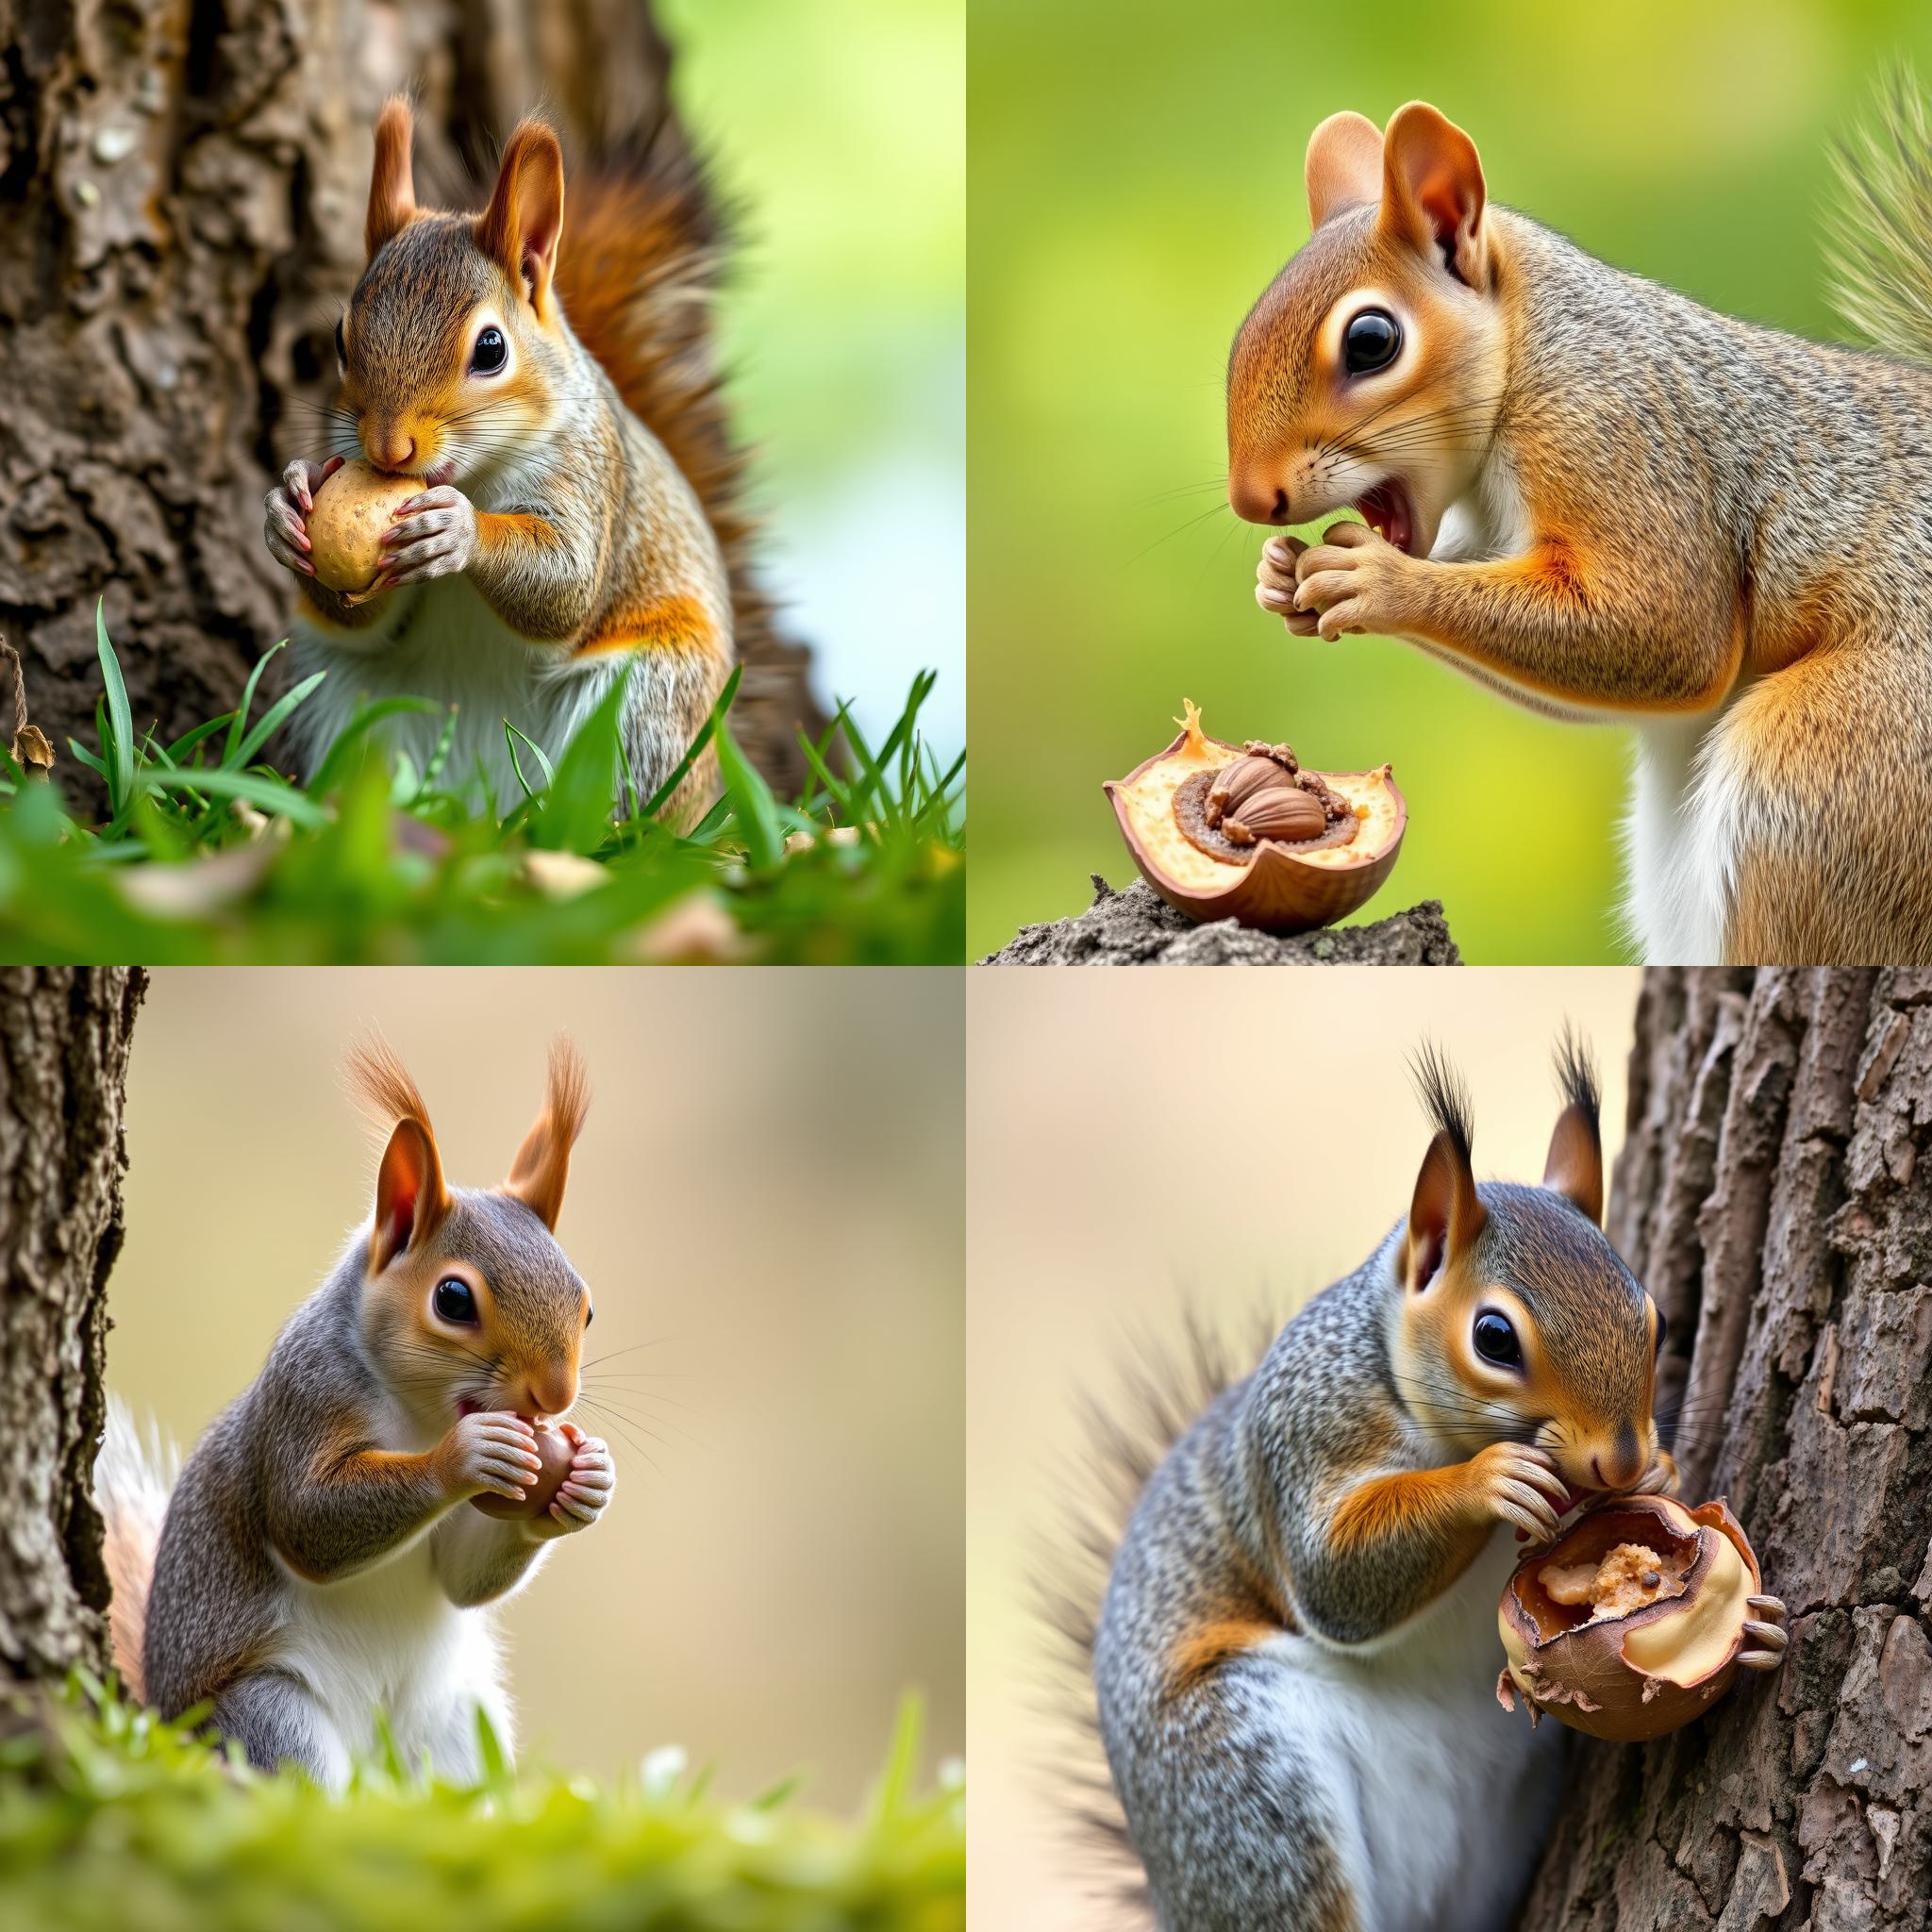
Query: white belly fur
column 1445, row 1796
column 443, row 643
column 389, row 1639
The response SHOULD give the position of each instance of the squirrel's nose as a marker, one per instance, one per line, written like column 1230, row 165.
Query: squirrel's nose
column 1258, row 493
column 389, row 449
column 549, row 1393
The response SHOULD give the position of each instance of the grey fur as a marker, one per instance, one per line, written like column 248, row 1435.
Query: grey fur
column 1235, row 1825
column 255, row 1497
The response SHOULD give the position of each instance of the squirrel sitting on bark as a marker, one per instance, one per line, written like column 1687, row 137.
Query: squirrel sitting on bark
column 317, row 1564
column 1605, row 502
column 1295, row 1657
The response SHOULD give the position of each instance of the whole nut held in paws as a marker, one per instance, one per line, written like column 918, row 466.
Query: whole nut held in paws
column 352, row 510
column 1636, row 1620
column 1248, row 832
column 555, row 1449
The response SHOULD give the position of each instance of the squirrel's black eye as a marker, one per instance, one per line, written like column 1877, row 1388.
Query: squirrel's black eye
column 1663, row 1328
column 454, row 1300
column 1371, row 340
column 342, row 344
column 589, row 1316
column 1495, row 1340
column 491, row 351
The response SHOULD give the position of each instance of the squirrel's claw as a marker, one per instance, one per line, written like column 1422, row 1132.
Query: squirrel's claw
column 1768, row 1637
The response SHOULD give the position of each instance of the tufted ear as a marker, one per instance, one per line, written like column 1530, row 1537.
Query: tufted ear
column 1445, row 1215
column 541, row 1167
column 393, row 183
column 1345, row 166
column 411, row 1198
column 1575, row 1164
column 521, row 227
column 1432, row 195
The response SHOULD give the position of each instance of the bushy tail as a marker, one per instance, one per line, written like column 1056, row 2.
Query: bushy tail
column 132, row 1482
column 645, row 244
column 1880, row 254
column 1160, row 1394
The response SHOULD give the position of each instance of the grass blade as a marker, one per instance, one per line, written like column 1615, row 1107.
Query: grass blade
column 239, row 721
column 751, row 798
column 119, row 754
column 241, row 757
column 707, row 731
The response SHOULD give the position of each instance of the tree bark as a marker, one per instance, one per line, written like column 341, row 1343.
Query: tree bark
column 1774, row 1197
column 64, row 1034
column 182, row 192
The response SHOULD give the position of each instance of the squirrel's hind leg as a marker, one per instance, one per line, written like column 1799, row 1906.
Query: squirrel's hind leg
column 276, row 1721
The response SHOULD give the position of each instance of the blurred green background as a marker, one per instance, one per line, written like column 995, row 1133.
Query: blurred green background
column 1136, row 182
column 839, row 126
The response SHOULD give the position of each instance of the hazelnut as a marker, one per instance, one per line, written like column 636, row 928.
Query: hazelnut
column 1631, row 1624
column 554, row 1446
column 353, row 509
column 1277, row 811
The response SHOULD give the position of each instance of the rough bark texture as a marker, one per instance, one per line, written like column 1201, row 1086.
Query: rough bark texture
column 64, row 1034
column 1139, row 928
column 182, row 191
column 1775, row 1196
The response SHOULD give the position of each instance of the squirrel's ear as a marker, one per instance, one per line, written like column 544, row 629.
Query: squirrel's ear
column 541, row 1167
column 1575, row 1166
column 1445, row 1216
column 1345, row 166
column 1432, row 195
column 521, row 227
column 411, row 1198
column 392, row 184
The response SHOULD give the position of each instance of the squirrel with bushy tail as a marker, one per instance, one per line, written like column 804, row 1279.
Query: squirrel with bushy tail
column 1605, row 502
column 1292, row 1661
column 316, row 1572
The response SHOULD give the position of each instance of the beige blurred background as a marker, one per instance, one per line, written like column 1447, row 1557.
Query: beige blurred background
column 767, row 1193
column 1097, row 1105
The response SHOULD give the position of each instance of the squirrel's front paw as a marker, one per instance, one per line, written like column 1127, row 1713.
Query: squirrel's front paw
column 432, row 535
column 584, row 1493
column 1519, row 1484
column 1765, row 1636
column 491, row 1450
column 287, row 506
column 1274, row 584
column 1353, row 580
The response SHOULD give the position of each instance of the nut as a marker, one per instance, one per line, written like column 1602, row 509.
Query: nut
column 1277, row 811
column 554, row 1446
column 1631, row 1624
column 353, row 509
column 1316, row 847
column 1238, row 782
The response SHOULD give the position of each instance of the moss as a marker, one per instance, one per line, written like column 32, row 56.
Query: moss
column 110, row 1819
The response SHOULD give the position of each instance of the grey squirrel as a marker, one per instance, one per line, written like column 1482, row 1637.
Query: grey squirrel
column 315, row 1563
column 1596, row 497
column 1296, row 1656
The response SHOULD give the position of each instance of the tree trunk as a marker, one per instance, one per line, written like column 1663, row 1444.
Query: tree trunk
column 1774, row 1197
column 182, row 191
column 64, row 1033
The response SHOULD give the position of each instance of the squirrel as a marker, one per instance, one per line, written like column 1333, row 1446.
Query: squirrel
column 1294, row 1657
column 1601, row 500
column 315, row 1564
column 556, row 544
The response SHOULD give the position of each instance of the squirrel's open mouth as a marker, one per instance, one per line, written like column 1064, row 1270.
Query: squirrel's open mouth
column 1386, row 509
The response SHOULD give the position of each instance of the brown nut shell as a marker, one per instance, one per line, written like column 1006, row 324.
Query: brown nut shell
column 1628, row 1678
column 1276, row 889
column 345, row 528
column 554, row 1446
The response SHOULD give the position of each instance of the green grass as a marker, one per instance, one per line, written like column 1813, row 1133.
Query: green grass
column 209, row 854
column 113, row 1820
